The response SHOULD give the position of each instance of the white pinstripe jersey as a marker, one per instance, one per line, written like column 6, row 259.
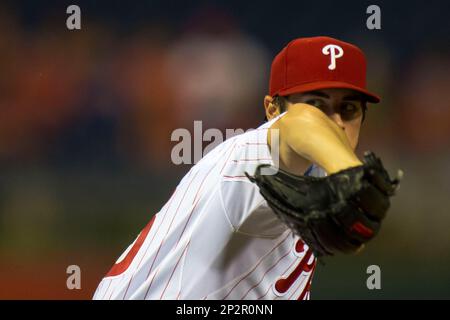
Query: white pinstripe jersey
column 216, row 237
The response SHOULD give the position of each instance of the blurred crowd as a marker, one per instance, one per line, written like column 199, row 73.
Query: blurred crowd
column 71, row 95
column 86, row 119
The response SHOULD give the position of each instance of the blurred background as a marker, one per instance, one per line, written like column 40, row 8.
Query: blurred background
column 86, row 118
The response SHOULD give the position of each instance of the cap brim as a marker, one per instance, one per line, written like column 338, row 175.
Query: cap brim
column 311, row 86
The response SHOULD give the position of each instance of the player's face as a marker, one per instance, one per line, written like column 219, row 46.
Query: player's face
column 343, row 106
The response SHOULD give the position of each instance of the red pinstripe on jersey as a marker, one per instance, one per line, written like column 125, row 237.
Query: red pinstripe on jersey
column 254, row 268
column 99, row 288
column 190, row 214
column 232, row 177
column 148, row 289
column 106, row 291
column 283, row 284
column 307, row 287
column 226, row 161
column 199, row 188
column 257, row 159
column 179, row 232
column 173, row 271
column 150, row 242
column 284, row 272
column 112, row 291
column 123, row 265
column 167, row 232
column 252, row 144
column 299, row 248
column 265, row 273
column 265, row 294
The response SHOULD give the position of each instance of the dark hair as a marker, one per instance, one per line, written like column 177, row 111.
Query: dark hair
column 364, row 110
column 281, row 103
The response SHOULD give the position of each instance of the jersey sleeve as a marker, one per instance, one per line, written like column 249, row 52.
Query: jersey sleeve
column 244, row 206
column 248, row 212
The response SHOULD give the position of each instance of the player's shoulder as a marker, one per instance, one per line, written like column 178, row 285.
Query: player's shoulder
column 238, row 154
column 238, row 141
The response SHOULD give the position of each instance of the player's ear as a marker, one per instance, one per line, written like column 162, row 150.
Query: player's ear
column 272, row 110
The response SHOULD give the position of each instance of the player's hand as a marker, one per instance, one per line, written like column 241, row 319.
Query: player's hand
column 312, row 135
column 333, row 214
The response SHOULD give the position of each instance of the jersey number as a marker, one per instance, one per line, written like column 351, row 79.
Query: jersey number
column 123, row 265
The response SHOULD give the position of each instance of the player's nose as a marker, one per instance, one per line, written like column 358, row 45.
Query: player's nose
column 336, row 117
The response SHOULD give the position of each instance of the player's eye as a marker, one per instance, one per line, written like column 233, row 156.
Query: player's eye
column 348, row 107
column 350, row 110
column 318, row 103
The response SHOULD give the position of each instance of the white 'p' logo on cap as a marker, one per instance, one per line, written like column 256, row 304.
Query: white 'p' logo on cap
column 335, row 52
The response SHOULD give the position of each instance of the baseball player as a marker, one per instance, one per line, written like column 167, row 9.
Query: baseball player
column 231, row 232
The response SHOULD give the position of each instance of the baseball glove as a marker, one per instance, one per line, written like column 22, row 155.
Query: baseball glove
column 337, row 213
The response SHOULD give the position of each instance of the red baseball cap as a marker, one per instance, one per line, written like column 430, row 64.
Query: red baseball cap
column 308, row 64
